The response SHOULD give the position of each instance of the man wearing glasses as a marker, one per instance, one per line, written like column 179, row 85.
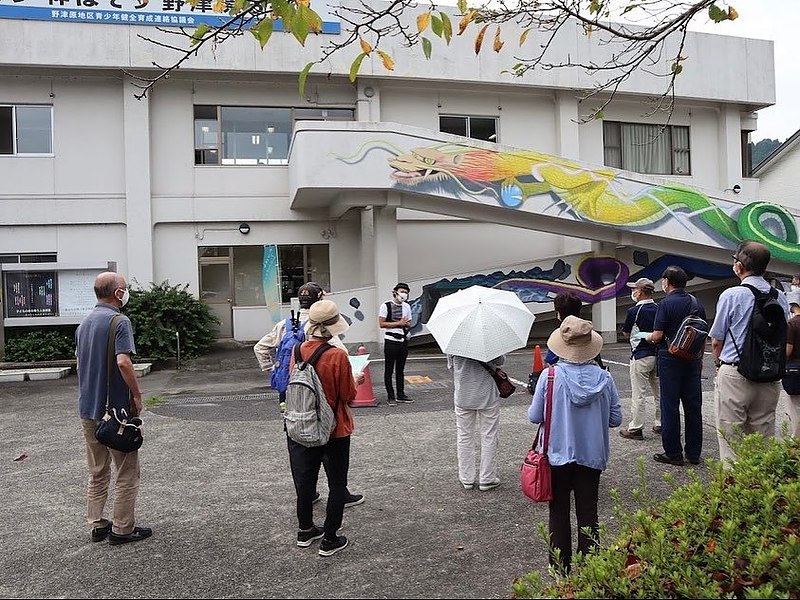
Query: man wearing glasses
column 741, row 403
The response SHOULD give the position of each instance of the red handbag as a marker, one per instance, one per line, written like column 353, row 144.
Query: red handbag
column 534, row 477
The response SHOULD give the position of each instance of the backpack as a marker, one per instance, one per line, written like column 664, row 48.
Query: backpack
column 308, row 418
column 762, row 358
column 690, row 339
column 292, row 335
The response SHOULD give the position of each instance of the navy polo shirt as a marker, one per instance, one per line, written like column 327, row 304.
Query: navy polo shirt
column 91, row 349
column 642, row 314
column 671, row 312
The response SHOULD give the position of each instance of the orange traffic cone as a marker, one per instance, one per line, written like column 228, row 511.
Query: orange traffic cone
column 365, row 396
column 538, row 363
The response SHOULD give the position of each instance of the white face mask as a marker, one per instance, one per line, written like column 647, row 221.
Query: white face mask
column 126, row 295
column 402, row 296
column 633, row 297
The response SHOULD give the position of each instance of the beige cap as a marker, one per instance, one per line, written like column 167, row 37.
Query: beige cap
column 642, row 283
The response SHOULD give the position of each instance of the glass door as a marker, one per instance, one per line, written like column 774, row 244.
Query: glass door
column 216, row 290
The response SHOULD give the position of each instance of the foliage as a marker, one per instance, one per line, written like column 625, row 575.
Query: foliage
column 760, row 150
column 161, row 311
column 634, row 32
column 27, row 344
column 737, row 535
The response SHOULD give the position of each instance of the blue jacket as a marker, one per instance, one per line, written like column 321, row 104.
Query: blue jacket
column 585, row 405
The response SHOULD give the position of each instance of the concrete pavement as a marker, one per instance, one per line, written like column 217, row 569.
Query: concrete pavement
column 217, row 491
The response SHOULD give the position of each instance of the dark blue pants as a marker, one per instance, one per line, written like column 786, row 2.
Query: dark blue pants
column 305, row 463
column 395, row 354
column 680, row 386
column 584, row 482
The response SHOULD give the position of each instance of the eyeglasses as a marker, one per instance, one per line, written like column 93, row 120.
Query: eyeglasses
column 735, row 258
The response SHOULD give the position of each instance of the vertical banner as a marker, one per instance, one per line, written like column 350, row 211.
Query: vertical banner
column 272, row 283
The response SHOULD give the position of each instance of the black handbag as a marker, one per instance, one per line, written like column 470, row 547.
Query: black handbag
column 791, row 379
column 117, row 429
column 501, row 380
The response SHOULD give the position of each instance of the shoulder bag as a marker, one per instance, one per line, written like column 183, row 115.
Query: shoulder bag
column 534, row 477
column 117, row 429
column 501, row 380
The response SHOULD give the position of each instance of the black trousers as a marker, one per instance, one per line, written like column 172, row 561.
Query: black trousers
column 585, row 483
column 395, row 354
column 305, row 463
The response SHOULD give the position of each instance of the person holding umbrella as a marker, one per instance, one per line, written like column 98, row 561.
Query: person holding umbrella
column 476, row 327
column 585, row 403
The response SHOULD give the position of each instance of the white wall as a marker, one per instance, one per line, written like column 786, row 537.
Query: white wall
column 781, row 182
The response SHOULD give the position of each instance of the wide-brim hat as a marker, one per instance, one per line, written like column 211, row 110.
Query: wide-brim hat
column 324, row 316
column 575, row 341
column 643, row 283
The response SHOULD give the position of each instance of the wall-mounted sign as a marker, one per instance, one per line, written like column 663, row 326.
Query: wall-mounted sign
column 76, row 293
column 155, row 13
column 31, row 294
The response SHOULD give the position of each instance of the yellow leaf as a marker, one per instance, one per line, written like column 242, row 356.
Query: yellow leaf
column 466, row 20
column 388, row 63
column 365, row 47
column 479, row 39
column 524, row 36
column 219, row 6
column 498, row 43
column 306, row 3
column 422, row 21
column 192, row 3
column 732, row 14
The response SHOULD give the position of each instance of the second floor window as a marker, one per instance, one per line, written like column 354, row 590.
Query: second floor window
column 478, row 128
column 647, row 148
column 251, row 135
column 26, row 130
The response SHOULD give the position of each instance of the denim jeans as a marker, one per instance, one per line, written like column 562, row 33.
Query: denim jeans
column 680, row 385
column 305, row 463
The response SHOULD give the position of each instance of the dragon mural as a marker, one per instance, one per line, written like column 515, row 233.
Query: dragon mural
column 593, row 195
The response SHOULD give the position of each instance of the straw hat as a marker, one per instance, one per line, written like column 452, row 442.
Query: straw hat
column 324, row 319
column 575, row 341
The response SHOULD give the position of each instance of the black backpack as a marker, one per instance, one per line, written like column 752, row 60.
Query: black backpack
column 762, row 358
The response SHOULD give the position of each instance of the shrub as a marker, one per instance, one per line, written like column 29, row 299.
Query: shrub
column 162, row 310
column 28, row 344
column 736, row 536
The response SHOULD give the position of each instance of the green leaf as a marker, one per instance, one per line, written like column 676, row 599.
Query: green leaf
column 304, row 76
column 356, row 66
column 447, row 27
column 300, row 25
column 198, row 34
column 426, row 47
column 313, row 19
column 677, row 68
column 263, row 30
column 462, row 6
column 436, row 25
column 716, row 14
column 237, row 7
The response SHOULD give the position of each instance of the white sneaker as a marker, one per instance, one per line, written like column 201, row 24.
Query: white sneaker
column 490, row 485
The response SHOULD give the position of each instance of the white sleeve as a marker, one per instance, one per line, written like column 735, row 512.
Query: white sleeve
column 382, row 311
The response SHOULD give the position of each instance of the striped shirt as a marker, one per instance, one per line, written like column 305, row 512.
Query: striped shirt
column 474, row 388
column 399, row 311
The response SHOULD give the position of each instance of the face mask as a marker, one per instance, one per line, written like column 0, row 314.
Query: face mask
column 633, row 297
column 402, row 296
column 125, row 297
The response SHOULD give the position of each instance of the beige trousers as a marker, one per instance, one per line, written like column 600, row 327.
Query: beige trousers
column 793, row 406
column 643, row 375
column 467, row 434
column 126, row 487
column 743, row 407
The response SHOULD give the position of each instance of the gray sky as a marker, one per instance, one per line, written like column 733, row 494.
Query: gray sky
column 770, row 20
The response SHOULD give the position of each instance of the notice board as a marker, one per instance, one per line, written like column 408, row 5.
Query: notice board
column 31, row 293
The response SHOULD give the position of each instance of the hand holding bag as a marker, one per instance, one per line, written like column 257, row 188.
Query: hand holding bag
column 501, row 380
column 534, row 476
column 117, row 429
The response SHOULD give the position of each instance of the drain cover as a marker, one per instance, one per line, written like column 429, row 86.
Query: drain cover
column 229, row 398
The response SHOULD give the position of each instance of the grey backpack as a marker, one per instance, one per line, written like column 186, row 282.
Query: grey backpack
column 308, row 418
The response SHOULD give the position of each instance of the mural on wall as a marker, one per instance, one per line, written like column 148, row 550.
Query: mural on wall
column 601, row 196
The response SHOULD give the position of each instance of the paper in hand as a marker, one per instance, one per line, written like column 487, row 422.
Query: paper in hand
column 359, row 362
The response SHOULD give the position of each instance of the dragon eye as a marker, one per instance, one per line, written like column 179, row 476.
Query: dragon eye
column 428, row 160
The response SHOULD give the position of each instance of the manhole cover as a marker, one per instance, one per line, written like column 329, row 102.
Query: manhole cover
column 229, row 398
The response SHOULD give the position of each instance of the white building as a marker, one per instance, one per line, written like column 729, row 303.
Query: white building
column 212, row 177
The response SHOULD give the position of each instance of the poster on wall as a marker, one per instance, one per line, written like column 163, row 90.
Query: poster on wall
column 31, row 294
column 272, row 283
column 76, row 292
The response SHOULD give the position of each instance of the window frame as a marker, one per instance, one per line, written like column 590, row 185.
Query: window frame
column 14, row 149
column 468, row 119
column 292, row 119
column 668, row 131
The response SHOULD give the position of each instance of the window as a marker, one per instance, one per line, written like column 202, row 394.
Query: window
column 478, row 128
column 26, row 130
column 647, row 148
column 250, row 135
column 747, row 156
column 28, row 258
column 300, row 264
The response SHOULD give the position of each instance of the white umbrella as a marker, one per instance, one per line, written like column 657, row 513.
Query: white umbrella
column 480, row 323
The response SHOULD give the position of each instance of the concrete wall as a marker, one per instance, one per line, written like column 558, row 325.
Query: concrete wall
column 781, row 181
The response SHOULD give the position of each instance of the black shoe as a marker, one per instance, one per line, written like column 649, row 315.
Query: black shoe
column 668, row 460
column 405, row 399
column 657, row 429
column 138, row 534
column 632, row 434
column 329, row 547
column 391, row 402
column 694, row 461
column 354, row 500
column 316, row 498
column 101, row 533
column 304, row 538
